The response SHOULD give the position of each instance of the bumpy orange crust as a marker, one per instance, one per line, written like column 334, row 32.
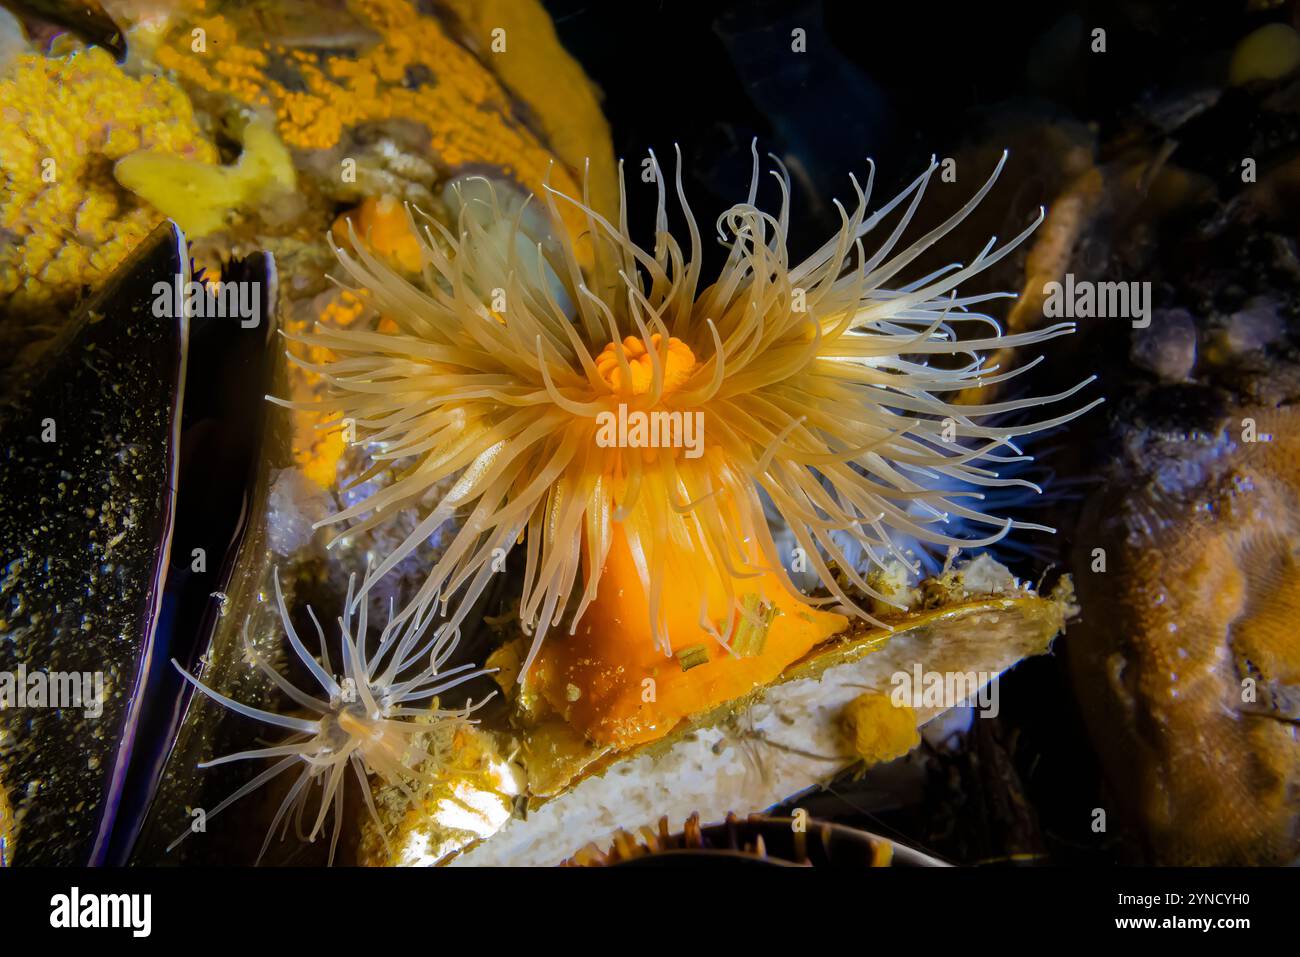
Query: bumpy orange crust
column 1197, row 613
column 415, row 72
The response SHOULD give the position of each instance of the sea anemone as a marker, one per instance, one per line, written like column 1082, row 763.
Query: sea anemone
column 372, row 718
column 561, row 406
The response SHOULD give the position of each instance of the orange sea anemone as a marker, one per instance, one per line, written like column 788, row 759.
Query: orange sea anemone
column 631, row 420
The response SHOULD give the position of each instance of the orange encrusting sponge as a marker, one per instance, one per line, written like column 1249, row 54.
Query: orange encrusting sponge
column 611, row 681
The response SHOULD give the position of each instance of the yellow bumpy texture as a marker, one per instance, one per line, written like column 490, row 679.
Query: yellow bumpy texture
column 63, row 123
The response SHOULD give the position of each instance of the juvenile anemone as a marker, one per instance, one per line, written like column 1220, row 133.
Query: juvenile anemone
column 821, row 388
column 370, row 719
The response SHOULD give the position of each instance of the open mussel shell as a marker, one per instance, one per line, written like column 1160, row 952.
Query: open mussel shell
column 235, row 594
column 87, row 486
column 221, row 436
column 127, row 459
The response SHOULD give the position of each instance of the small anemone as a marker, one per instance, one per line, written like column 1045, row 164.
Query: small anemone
column 370, row 719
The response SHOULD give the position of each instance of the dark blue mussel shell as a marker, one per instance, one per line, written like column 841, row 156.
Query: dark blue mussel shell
column 221, row 438
column 155, row 426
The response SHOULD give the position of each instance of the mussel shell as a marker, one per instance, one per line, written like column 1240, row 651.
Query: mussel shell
column 86, row 18
column 157, row 424
column 88, row 513
column 221, row 437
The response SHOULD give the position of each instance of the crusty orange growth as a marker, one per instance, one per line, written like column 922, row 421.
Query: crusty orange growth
column 64, row 120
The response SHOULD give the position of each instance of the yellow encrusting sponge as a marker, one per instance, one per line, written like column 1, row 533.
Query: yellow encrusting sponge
column 879, row 730
column 200, row 196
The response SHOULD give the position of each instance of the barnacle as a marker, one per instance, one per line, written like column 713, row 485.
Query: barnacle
column 371, row 719
column 779, row 738
column 813, row 385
